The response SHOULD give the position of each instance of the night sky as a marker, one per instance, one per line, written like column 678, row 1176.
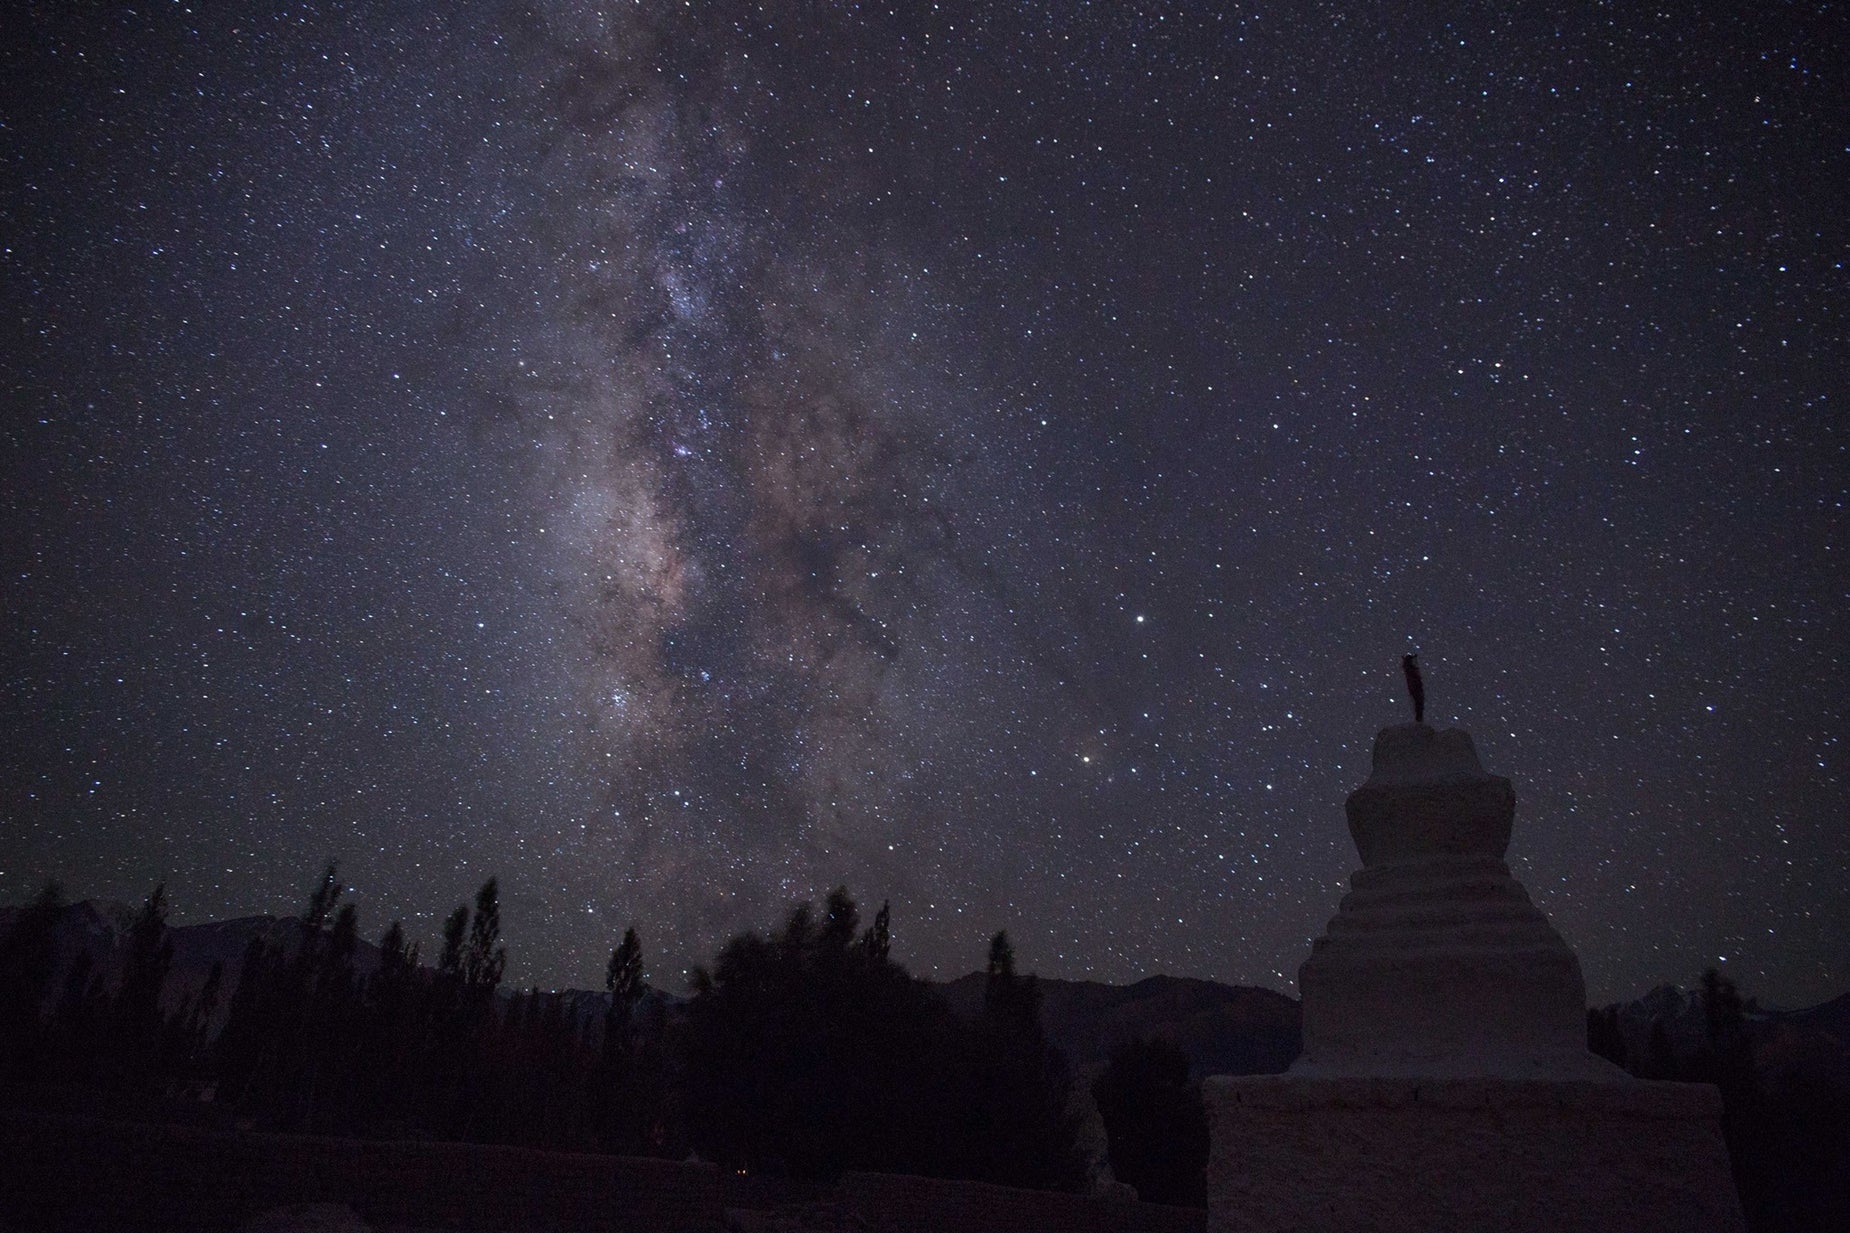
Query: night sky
column 678, row 458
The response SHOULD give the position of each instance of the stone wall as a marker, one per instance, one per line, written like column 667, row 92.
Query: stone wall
column 86, row 1173
column 62, row 1172
column 1294, row 1153
column 893, row 1204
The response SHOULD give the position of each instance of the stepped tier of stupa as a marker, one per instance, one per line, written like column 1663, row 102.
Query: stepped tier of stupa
column 1445, row 1081
column 1437, row 963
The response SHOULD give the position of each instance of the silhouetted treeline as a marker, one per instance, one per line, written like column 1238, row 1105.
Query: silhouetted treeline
column 810, row 1051
column 1155, row 1122
column 111, row 1037
column 1788, row 1133
column 802, row 1053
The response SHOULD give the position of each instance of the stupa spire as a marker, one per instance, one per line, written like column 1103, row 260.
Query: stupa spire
column 1416, row 688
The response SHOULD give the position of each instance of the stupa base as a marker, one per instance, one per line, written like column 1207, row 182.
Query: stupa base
column 1294, row 1153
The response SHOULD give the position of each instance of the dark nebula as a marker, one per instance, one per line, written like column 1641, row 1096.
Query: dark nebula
column 679, row 458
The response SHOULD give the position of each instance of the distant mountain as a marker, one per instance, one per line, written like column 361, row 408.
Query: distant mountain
column 100, row 927
column 1804, row 1047
column 1678, row 1010
column 1224, row 1029
column 96, row 925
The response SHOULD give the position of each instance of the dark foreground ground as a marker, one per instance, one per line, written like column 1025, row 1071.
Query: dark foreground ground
column 88, row 1175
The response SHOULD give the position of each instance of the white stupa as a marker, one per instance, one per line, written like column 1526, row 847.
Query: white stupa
column 1445, row 1081
column 1437, row 963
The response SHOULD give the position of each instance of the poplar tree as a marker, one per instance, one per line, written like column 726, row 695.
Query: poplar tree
column 137, row 1012
column 28, row 962
column 624, row 979
column 485, row 958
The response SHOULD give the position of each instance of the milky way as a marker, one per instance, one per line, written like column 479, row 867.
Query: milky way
column 680, row 458
column 769, row 504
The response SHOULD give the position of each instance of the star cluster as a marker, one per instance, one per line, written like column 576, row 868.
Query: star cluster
column 678, row 458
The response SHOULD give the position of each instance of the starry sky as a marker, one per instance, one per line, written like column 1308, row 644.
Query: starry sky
column 680, row 457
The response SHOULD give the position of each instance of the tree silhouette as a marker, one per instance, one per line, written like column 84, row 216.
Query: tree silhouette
column 136, row 1023
column 1660, row 1058
column 461, row 1078
column 485, row 958
column 1023, row 1131
column 327, row 1088
column 79, row 1030
column 1787, row 1131
column 450, row 961
column 191, row 1026
column 322, row 899
column 623, row 980
column 1006, row 995
column 877, row 939
column 1155, row 1122
column 393, row 1054
column 1604, row 1039
column 804, row 1054
column 28, row 965
column 630, row 1076
column 841, row 921
column 804, row 1051
column 250, row 1032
